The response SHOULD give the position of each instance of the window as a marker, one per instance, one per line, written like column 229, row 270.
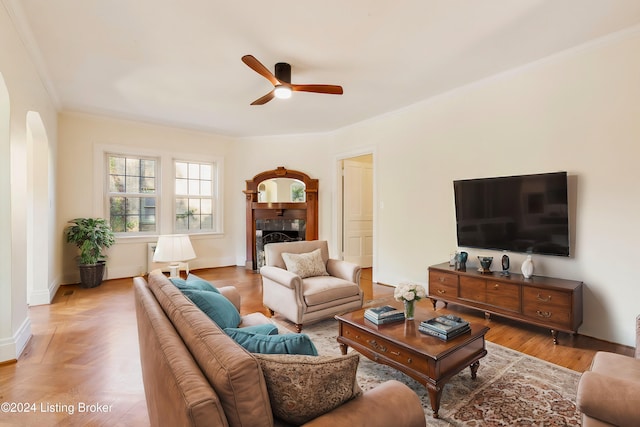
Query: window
column 132, row 193
column 196, row 198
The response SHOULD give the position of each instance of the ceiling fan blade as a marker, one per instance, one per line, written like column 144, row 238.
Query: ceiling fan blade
column 257, row 66
column 263, row 100
column 330, row 89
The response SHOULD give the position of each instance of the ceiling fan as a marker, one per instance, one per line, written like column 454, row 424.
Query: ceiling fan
column 281, row 80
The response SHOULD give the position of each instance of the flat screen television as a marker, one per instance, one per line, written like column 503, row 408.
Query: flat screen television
column 525, row 213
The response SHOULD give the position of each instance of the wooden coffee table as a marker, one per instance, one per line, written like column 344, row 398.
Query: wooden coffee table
column 429, row 360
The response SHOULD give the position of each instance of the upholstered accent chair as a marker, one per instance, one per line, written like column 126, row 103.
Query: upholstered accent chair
column 301, row 283
column 609, row 392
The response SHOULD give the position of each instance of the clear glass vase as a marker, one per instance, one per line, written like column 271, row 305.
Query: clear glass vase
column 409, row 309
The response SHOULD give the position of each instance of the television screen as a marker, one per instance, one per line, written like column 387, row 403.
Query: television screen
column 525, row 213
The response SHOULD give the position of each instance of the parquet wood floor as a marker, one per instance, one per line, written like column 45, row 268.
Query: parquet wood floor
column 84, row 351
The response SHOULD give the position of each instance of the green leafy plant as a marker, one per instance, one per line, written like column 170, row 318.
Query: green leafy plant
column 91, row 236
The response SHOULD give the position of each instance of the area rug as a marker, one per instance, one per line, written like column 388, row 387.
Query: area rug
column 511, row 388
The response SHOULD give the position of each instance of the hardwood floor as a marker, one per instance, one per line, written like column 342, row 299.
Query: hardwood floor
column 84, row 351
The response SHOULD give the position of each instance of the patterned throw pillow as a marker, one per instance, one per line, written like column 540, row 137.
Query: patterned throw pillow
column 305, row 265
column 302, row 388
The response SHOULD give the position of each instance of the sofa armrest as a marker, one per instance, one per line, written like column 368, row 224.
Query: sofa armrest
column 232, row 294
column 609, row 399
column 281, row 276
column 389, row 404
column 344, row 270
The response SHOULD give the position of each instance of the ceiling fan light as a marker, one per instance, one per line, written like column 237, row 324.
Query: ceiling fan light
column 282, row 92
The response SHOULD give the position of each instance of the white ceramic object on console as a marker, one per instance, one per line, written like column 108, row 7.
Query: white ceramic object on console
column 527, row 267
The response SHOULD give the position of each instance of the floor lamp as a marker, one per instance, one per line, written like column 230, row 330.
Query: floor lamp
column 174, row 249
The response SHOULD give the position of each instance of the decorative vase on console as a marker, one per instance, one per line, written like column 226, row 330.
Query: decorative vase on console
column 527, row 267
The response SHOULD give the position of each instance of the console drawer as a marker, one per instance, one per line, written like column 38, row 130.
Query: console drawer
column 547, row 305
column 503, row 295
column 473, row 289
column 443, row 285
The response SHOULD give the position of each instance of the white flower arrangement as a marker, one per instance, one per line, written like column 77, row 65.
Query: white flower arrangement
column 409, row 292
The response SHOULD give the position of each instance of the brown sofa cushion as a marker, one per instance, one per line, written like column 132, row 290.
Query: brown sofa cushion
column 234, row 374
column 304, row 387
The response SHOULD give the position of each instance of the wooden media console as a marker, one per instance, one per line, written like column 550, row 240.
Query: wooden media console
column 544, row 301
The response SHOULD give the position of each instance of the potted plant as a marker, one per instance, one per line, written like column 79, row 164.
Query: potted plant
column 91, row 236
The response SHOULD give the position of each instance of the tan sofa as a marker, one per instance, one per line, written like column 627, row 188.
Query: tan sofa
column 303, row 299
column 609, row 392
column 196, row 375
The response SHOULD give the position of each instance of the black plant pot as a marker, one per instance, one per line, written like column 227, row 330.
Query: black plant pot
column 91, row 275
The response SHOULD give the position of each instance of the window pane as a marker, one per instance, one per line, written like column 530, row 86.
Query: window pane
column 182, row 224
column 148, row 168
column 194, row 206
column 116, row 205
column 181, row 186
column 181, row 170
column 206, row 172
column 181, row 206
column 205, row 188
column 206, row 222
column 206, row 206
column 133, row 184
column 116, row 165
column 133, row 205
column 194, row 171
column 194, row 223
column 194, row 187
column 147, row 185
column 132, row 223
column 133, row 166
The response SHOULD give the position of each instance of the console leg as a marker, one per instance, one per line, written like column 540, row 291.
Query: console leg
column 487, row 315
column 554, row 334
column 434, row 302
column 298, row 327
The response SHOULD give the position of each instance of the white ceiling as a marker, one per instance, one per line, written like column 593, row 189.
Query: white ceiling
column 178, row 62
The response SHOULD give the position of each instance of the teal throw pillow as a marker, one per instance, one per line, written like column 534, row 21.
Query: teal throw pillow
column 274, row 344
column 216, row 306
column 264, row 329
column 194, row 283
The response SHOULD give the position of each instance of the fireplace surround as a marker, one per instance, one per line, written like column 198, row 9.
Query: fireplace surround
column 266, row 221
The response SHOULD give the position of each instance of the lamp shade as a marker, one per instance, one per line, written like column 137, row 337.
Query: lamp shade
column 173, row 248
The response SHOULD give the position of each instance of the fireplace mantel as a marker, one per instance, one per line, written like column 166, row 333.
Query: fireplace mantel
column 307, row 210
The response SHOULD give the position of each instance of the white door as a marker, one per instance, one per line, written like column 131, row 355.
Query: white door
column 357, row 209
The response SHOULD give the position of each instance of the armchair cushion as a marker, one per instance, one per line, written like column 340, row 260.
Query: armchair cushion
column 217, row 307
column 304, row 387
column 255, row 342
column 305, row 265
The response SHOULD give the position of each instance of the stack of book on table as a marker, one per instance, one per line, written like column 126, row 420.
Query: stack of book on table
column 444, row 327
column 384, row 314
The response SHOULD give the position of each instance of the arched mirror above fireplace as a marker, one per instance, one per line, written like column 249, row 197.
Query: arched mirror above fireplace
column 281, row 205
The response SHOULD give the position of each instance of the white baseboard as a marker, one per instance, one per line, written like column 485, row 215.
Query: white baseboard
column 45, row 296
column 11, row 348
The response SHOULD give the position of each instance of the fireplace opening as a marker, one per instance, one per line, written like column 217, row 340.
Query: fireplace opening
column 275, row 231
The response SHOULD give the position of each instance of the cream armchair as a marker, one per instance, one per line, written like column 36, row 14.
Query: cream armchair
column 609, row 392
column 314, row 287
